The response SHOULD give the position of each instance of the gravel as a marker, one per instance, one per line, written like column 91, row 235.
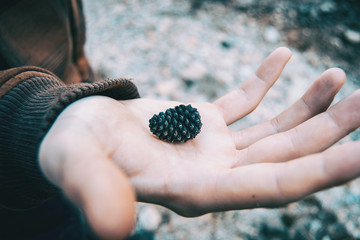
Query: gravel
column 199, row 50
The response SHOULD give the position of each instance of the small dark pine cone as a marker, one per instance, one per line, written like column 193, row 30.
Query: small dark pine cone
column 178, row 124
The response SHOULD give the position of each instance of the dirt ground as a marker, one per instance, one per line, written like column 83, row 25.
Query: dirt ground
column 331, row 28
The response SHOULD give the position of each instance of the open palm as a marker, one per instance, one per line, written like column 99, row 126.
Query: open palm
column 112, row 152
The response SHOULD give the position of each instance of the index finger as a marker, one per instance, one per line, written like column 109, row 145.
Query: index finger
column 245, row 98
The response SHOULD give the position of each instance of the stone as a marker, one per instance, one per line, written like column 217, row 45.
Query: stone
column 245, row 2
column 226, row 77
column 327, row 7
column 165, row 88
column 271, row 34
column 352, row 36
column 149, row 218
column 196, row 71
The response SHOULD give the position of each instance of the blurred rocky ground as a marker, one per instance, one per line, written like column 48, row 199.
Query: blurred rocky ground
column 197, row 50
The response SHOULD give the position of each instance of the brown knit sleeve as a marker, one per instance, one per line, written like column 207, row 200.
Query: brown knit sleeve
column 30, row 100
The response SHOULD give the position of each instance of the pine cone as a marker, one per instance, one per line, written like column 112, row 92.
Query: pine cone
column 178, row 124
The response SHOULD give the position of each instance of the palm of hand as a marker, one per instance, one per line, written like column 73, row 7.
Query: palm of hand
column 166, row 172
column 269, row 164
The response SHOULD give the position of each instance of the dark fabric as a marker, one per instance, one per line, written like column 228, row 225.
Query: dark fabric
column 47, row 34
column 55, row 219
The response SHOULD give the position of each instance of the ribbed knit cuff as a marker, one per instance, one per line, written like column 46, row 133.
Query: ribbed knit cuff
column 27, row 111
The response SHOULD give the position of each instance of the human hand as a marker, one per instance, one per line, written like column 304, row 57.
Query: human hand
column 99, row 151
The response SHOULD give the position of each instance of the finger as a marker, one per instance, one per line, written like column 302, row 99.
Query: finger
column 93, row 183
column 276, row 184
column 317, row 99
column 314, row 135
column 244, row 99
column 106, row 197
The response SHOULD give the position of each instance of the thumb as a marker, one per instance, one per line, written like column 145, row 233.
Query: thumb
column 105, row 195
column 90, row 180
